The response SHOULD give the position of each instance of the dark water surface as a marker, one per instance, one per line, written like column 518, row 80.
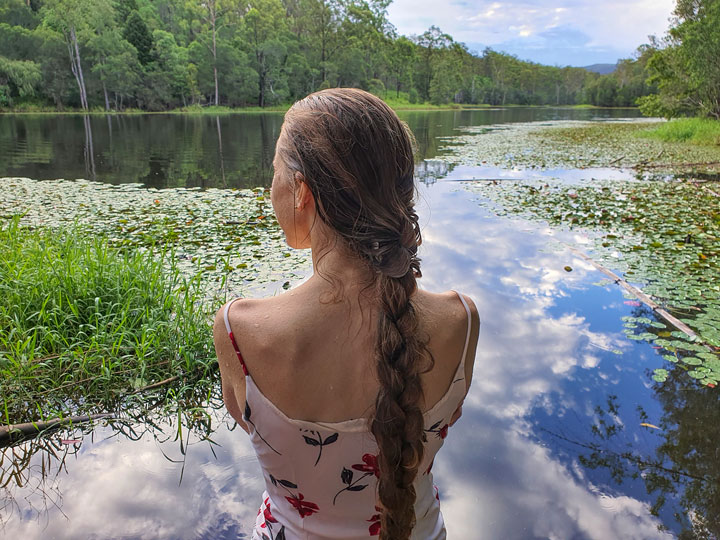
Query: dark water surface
column 564, row 432
column 174, row 150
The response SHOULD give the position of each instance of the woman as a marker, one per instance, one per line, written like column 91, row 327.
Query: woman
column 347, row 384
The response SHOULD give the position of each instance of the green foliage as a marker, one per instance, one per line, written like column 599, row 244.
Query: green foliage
column 137, row 34
column 701, row 131
column 413, row 96
column 685, row 66
column 19, row 77
column 269, row 53
column 82, row 323
column 377, row 87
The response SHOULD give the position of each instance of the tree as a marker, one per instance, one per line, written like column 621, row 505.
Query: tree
column 18, row 76
column 137, row 34
column 401, row 60
column 429, row 43
column 77, row 20
column 321, row 20
column 685, row 67
column 115, row 62
column 212, row 16
column 264, row 31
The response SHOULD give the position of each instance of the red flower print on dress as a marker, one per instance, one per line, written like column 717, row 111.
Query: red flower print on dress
column 267, row 514
column 374, row 521
column 369, row 465
column 304, row 508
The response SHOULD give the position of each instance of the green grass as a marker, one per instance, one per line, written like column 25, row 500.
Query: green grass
column 83, row 325
column 698, row 131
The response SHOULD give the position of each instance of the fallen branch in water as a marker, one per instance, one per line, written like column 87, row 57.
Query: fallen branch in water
column 156, row 385
column 614, row 161
column 15, row 432
column 645, row 165
column 677, row 323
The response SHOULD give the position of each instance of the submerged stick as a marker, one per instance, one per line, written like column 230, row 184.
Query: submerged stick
column 646, row 165
column 13, row 432
column 644, row 298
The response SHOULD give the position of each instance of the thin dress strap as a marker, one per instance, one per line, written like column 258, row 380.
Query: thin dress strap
column 232, row 338
column 469, row 326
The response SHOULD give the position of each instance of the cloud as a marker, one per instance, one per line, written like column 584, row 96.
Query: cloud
column 603, row 31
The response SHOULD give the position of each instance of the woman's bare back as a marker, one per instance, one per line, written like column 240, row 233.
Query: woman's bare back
column 314, row 359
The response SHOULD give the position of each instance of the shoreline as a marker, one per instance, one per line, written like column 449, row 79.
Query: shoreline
column 212, row 111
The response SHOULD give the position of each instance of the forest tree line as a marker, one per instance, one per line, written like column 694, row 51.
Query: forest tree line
column 164, row 54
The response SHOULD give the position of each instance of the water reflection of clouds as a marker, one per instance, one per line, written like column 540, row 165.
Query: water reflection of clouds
column 129, row 489
column 497, row 482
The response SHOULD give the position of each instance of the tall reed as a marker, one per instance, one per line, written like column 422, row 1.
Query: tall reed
column 83, row 324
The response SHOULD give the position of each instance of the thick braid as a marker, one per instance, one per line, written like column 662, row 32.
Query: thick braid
column 398, row 420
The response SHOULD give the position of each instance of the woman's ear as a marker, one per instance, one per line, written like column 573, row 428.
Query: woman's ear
column 303, row 195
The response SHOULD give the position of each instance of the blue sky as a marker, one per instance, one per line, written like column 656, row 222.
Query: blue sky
column 554, row 32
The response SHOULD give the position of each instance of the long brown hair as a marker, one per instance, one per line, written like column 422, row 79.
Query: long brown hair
column 356, row 157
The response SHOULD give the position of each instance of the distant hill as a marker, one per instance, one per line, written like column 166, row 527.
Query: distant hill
column 602, row 69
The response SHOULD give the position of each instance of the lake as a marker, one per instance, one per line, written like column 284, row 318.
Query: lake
column 564, row 433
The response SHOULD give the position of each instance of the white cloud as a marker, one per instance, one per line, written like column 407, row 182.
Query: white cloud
column 614, row 28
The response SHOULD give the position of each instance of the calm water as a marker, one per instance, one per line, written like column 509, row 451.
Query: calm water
column 172, row 150
column 551, row 443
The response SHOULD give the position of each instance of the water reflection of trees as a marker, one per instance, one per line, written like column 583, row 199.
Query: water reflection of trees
column 683, row 470
column 430, row 171
column 161, row 150
column 178, row 417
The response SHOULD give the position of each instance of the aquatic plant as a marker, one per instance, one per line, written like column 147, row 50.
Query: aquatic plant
column 664, row 235
column 579, row 145
column 84, row 324
column 702, row 131
column 230, row 237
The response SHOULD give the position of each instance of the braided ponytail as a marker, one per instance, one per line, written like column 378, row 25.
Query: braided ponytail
column 398, row 420
column 356, row 158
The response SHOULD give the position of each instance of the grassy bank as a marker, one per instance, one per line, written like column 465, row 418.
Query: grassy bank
column 696, row 131
column 398, row 104
column 83, row 325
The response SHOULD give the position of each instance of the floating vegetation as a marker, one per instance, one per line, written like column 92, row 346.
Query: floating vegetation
column 578, row 145
column 84, row 325
column 664, row 235
column 228, row 236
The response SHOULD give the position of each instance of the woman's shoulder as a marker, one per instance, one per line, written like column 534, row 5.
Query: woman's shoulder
column 452, row 324
column 250, row 317
column 449, row 307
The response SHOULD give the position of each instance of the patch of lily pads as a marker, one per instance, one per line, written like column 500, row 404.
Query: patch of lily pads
column 662, row 235
column 229, row 238
column 577, row 145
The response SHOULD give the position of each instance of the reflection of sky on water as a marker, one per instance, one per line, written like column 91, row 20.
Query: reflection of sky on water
column 545, row 361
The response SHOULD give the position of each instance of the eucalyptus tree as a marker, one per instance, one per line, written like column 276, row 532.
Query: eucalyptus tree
column 429, row 43
column 265, row 35
column 402, row 57
column 211, row 16
column 319, row 22
column 116, row 64
column 78, row 21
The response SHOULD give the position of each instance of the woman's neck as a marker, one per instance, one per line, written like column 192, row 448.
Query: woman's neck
column 335, row 268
